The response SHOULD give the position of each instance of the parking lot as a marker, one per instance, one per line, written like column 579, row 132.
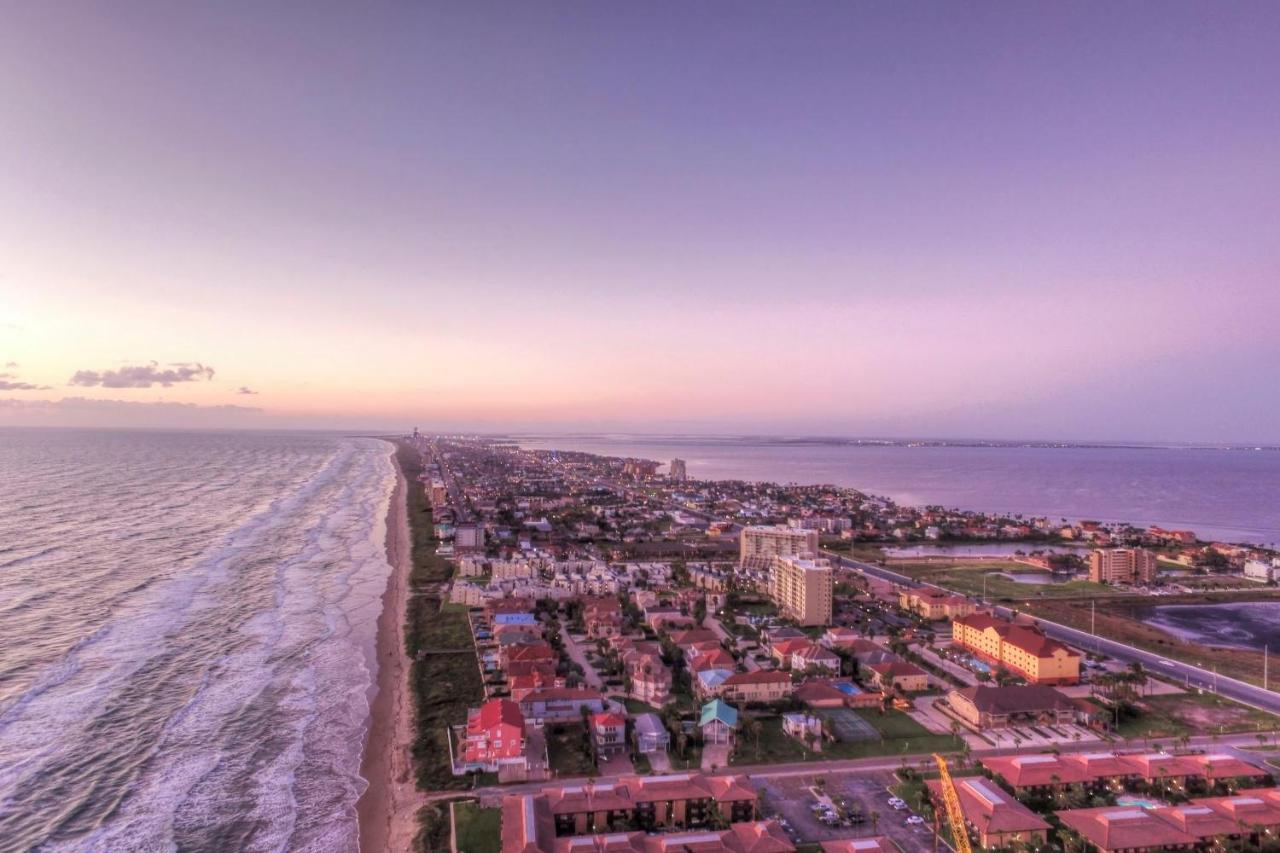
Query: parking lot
column 790, row 799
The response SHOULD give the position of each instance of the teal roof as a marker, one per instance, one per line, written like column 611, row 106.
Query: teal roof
column 718, row 709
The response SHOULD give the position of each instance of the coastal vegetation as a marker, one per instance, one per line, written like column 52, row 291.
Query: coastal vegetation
column 444, row 676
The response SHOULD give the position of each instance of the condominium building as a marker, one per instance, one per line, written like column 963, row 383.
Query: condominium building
column 678, row 473
column 1122, row 565
column 801, row 587
column 757, row 546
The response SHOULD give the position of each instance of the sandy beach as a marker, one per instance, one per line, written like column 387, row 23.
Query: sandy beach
column 386, row 810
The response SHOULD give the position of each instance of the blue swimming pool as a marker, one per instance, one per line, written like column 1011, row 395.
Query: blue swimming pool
column 1141, row 802
column 847, row 688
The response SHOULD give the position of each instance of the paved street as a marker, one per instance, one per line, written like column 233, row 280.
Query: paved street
column 578, row 656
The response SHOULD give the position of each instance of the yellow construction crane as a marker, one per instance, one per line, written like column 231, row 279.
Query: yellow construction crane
column 955, row 817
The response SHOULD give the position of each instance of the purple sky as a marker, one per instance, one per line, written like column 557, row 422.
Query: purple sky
column 996, row 220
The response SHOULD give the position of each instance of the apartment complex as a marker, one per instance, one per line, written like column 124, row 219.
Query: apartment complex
column 757, row 546
column 1021, row 649
column 1122, row 566
column 679, row 472
column 801, row 587
column 677, row 801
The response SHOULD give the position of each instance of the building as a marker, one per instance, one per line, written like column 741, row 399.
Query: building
column 494, row 737
column 609, row 732
column 994, row 815
column 678, row 472
column 1261, row 570
column 1116, row 770
column 836, row 693
column 802, row 589
column 762, row 685
column 1127, row 828
column 934, row 604
column 528, row 826
column 1131, row 566
column 718, row 722
column 806, row 728
column 1021, row 649
column 649, row 677
column 988, row 707
column 678, row 801
column 899, row 675
column 563, row 704
column 468, row 537
column 757, row 546
column 649, row 733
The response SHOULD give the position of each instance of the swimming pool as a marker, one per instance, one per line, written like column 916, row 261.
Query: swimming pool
column 847, row 688
column 1141, row 802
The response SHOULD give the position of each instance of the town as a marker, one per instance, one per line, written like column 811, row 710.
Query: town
column 607, row 657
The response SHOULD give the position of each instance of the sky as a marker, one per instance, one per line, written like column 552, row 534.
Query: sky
column 991, row 220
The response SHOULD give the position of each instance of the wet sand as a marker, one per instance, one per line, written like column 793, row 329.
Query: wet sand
column 388, row 806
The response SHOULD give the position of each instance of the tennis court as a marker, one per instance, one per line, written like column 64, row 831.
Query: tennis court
column 848, row 726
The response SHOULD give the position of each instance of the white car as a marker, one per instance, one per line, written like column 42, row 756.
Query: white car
column 897, row 801
column 915, row 819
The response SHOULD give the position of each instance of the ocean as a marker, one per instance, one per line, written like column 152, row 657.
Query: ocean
column 187, row 624
column 1231, row 495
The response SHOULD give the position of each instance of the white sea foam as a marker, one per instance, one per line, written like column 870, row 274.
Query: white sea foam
column 214, row 690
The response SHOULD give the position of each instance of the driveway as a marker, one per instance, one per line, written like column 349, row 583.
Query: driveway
column 575, row 652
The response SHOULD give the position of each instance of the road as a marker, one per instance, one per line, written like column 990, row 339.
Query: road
column 1225, row 743
column 1192, row 676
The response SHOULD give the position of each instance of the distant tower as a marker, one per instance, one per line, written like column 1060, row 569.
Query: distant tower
column 415, row 432
column 677, row 474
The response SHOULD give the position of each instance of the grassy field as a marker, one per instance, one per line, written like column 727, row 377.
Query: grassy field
column 968, row 579
column 899, row 735
column 445, row 681
column 1192, row 714
column 1122, row 620
column 479, row 830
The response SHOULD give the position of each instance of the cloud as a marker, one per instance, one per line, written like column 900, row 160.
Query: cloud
column 10, row 365
column 143, row 376
column 9, row 382
column 244, row 390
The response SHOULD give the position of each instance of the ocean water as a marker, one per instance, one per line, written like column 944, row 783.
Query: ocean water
column 1231, row 495
column 186, row 637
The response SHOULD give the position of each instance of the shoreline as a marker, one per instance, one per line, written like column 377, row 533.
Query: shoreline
column 386, row 810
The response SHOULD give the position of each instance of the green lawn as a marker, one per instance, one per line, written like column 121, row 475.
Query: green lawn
column 899, row 735
column 479, row 830
column 567, row 750
column 968, row 578
column 635, row 706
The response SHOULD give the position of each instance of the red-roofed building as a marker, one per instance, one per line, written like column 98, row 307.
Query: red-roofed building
column 494, row 737
column 609, row 731
column 1112, row 829
column 901, row 675
column 759, row 686
column 993, row 813
column 1021, row 649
